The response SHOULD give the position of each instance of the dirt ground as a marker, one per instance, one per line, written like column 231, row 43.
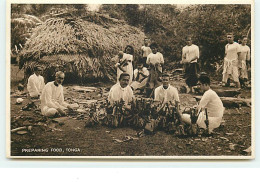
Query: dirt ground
column 68, row 136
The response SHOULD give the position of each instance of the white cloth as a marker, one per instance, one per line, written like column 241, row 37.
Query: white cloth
column 52, row 97
column 141, row 82
column 214, row 122
column 35, row 85
column 155, row 58
column 242, row 58
column 213, row 103
column 230, row 66
column 146, row 51
column 166, row 95
column 128, row 68
column 117, row 93
column 189, row 53
column 232, row 50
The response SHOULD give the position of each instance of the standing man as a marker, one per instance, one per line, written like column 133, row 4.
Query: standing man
column 155, row 62
column 190, row 56
column 52, row 98
column 243, row 60
column 230, row 68
column 146, row 50
column 35, row 83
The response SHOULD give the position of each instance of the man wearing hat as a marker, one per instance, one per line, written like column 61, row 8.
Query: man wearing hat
column 35, row 83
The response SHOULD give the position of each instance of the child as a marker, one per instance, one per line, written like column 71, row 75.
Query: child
column 146, row 50
column 154, row 61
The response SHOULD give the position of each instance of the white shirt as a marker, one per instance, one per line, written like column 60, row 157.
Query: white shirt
column 117, row 93
column 146, row 51
column 35, row 84
column 244, row 53
column 52, row 96
column 190, row 52
column 155, row 58
column 232, row 50
column 144, row 71
column 213, row 103
column 166, row 95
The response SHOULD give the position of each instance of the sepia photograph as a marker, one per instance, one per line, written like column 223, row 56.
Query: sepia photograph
column 130, row 81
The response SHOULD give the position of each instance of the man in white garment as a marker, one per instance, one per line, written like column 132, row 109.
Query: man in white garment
column 190, row 56
column 35, row 83
column 243, row 60
column 230, row 67
column 121, row 90
column 166, row 93
column 52, row 98
column 212, row 102
column 140, row 77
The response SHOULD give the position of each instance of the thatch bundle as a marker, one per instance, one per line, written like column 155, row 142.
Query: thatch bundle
column 83, row 47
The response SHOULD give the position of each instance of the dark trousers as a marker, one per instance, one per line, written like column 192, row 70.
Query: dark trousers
column 191, row 74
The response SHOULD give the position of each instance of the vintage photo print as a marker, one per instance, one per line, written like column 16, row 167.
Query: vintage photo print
column 130, row 81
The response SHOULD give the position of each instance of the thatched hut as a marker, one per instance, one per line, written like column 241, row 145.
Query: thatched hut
column 82, row 47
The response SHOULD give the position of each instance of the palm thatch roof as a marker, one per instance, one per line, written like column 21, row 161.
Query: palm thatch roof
column 82, row 46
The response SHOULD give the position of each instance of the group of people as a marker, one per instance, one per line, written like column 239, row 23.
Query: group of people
column 149, row 75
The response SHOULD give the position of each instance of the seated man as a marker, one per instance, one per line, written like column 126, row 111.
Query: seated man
column 35, row 83
column 212, row 102
column 166, row 93
column 52, row 98
column 140, row 77
column 121, row 90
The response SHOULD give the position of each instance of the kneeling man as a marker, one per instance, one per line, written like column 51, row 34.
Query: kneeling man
column 121, row 90
column 212, row 102
column 166, row 93
column 52, row 98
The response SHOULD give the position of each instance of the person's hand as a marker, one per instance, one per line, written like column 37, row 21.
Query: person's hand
column 127, row 107
column 61, row 112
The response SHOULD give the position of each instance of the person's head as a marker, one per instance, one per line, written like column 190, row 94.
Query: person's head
column 37, row 70
column 124, row 79
column 129, row 50
column 244, row 40
column 165, row 80
column 204, row 83
column 154, row 47
column 59, row 77
column 230, row 38
column 189, row 40
column 120, row 54
column 140, row 65
column 146, row 41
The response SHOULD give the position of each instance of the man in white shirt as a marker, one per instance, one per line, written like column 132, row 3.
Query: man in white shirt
column 121, row 90
column 52, row 98
column 155, row 61
column 212, row 102
column 140, row 77
column 35, row 83
column 230, row 67
column 190, row 56
column 146, row 50
column 243, row 58
column 166, row 93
